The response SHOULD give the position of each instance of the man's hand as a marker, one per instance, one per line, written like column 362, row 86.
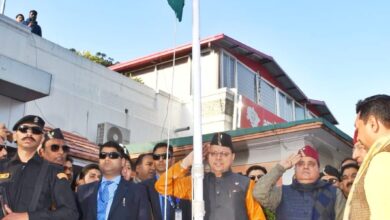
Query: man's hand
column 13, row 215
column 290, row 161
column 189, row 159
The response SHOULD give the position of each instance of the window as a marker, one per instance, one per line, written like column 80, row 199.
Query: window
column 299, row 112
column 228, row 68
column 246, row 80
column 268, row 96
column 285, row 107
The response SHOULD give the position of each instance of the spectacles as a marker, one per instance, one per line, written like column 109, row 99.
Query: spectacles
column 221, row 154
column 163, row 156
column 3, row 146
column 111, row 155
column 56, row 148
column 34, row 129
column 255, row 177
column 331, row 180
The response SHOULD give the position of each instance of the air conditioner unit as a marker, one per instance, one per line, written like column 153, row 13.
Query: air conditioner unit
column 110, row 132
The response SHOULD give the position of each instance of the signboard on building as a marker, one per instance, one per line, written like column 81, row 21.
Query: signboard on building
column 253, row 115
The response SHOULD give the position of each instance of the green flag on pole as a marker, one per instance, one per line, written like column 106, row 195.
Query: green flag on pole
column 177, row 6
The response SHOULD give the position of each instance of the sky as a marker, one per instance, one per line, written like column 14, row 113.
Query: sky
column 335, row 51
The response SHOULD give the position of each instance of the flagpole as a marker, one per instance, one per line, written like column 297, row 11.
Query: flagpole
column 2, row 9
column 197, row 168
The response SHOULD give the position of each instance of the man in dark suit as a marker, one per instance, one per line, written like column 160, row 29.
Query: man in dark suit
column 113, row 198
column 174, row 206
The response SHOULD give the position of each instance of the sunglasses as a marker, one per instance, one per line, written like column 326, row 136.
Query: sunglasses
column 255, row 177
column 331, row 181
column 163, row 156
column 34, row 129
column 3, row 146
column 56, row 148
column 111, row 155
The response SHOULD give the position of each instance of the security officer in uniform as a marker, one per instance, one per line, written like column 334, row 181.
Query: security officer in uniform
column 32, row 188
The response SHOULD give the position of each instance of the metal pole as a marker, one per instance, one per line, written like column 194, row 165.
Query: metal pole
column 197, row 168
column 2, row 7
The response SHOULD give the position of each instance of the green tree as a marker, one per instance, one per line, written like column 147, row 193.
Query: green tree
column 99, row 57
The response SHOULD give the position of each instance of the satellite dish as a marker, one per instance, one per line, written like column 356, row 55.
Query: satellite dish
column 114, row 134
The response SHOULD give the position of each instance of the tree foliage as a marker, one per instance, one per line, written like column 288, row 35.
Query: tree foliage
column 99, row 57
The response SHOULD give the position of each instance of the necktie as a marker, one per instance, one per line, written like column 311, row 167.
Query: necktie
column 104, row 196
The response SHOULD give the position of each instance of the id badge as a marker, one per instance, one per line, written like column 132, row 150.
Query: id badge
column 178, row 214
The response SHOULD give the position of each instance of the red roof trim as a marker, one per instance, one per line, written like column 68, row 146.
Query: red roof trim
column 139, row 61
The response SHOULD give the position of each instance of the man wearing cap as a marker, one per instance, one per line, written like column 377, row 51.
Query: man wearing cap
column 307, row 197
column 370, row 193
column 54, row 148
column 227, row 195
column 113, row 197
column 31, row 184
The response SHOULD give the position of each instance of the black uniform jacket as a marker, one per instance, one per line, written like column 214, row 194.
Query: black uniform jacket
column 154, row 199
column 129, row 202
column 56, row 200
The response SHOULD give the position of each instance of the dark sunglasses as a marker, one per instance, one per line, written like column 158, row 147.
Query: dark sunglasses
column 255, row 177
column 163, row 156
column 111, row 155
column 56, row 148
column 34, row 129
column 331, row 181
column 3, row 146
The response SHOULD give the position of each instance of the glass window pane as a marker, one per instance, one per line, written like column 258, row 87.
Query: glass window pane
column 282, row 105
column 228, row 71
column 289, row 109
column 268, row 96
column 299, row 112
column 246, row 80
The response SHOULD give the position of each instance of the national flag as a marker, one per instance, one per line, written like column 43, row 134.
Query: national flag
column 177, row 6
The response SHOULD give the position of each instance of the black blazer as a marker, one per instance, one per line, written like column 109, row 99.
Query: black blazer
column 154, row 199
column 130, row 202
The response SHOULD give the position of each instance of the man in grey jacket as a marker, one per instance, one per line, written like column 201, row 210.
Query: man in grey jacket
column 307, row 197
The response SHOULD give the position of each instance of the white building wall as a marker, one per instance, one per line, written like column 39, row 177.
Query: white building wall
column 84, row 94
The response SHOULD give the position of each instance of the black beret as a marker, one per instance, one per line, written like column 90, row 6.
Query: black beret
column 56, row 133
column 222, row 139
column 29, row 119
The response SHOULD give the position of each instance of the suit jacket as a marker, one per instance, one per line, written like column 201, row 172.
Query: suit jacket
column 130, row 202
column 154, row 199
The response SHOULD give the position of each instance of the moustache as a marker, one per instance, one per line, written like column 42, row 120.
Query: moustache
column 31, row 138
column 349, row 184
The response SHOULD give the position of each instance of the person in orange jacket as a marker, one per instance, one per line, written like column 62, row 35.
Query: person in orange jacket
column 227, row 195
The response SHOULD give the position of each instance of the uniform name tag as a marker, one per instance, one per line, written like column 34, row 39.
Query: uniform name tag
column 178, row 214
column 4, row 176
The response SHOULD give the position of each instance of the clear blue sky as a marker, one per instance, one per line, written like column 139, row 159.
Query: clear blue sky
column 336, row 51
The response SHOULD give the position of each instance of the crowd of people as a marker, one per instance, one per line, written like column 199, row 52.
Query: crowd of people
column 31, row 22
column 35, row 183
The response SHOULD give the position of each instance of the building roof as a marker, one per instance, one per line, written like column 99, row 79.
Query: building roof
column 251, row 133
column 223, row 41
column 231, row 44
column 322, row 109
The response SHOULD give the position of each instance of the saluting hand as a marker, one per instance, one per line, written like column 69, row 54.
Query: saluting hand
column 290, row 161
column 13, row 215
column 189, row 159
